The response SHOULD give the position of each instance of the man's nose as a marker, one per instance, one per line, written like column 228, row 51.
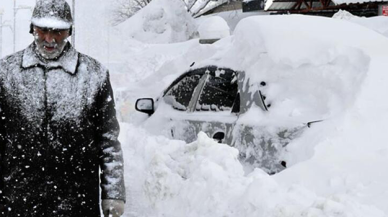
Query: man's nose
column 49, row 37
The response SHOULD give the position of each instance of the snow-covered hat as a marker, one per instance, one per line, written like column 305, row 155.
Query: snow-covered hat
column 53, row 14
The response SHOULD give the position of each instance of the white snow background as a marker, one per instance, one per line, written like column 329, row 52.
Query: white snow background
column 320, row 67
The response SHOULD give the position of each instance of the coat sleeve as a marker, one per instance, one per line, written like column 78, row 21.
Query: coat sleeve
column 111, row 156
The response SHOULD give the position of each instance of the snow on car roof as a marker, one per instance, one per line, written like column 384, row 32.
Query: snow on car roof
column 313, row 71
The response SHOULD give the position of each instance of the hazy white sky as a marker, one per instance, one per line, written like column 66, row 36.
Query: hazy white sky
column 22, row 24
column 92, row 28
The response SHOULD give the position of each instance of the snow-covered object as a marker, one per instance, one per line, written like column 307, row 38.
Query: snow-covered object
column 214, row 28
column 335, row 169
column 161, row 21
column 52, row 14
column 260, row 52
column 330, row 65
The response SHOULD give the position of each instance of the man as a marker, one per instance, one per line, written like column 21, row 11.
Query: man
column 57, row 127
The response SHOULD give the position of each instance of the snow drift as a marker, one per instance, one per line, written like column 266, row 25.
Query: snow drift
column 204, row 178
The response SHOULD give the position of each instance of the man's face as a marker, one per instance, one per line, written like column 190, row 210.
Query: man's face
column 50, row 42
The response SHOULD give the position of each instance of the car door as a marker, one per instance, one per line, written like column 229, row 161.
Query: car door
column 205, row 99
column 261, row 144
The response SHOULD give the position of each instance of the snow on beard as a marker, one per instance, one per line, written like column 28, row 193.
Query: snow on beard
column 41, row 45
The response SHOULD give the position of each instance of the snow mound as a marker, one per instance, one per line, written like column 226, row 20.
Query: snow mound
column 204, row 178
column 161, row 21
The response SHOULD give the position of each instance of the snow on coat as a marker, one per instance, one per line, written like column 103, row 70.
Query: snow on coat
column 57, row 128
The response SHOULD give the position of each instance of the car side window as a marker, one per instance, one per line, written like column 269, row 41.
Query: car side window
column 180, row 94
column 219, row 92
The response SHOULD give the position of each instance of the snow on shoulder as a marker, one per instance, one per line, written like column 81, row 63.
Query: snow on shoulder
column 161, row 21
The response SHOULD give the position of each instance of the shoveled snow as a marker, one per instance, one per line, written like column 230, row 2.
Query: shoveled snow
column 204, row 178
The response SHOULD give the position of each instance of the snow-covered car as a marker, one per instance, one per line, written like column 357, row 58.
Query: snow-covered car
column 211, row 99
column 258, row 90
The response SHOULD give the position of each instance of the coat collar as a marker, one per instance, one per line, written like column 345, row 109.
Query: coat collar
column 68, row 60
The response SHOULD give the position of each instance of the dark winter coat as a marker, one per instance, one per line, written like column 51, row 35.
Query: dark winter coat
column 57, row 128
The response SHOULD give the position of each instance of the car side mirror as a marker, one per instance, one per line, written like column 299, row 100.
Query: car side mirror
column 145, row 105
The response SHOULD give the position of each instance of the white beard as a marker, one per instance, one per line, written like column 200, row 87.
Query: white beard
column 58, row 49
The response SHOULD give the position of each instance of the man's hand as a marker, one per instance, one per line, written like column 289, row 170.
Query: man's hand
column 112, row 208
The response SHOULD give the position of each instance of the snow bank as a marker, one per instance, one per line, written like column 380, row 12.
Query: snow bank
column 204, row 178
column 161, row 21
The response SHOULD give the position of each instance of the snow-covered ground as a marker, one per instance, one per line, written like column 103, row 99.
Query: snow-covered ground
column 336, row 168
